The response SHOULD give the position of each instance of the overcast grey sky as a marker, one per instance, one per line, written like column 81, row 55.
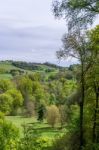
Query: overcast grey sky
column 29, row 31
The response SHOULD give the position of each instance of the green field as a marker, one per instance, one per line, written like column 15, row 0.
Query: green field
column 5, row 76
column 7, row 66
column 41, row 128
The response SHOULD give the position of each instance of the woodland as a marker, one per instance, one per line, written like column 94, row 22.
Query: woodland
column 50, row 107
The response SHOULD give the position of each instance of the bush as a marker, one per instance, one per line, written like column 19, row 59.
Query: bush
column 32, row 140
column 8, row 136
column 52, row 115
column 69, row 141
column 5, row 103
column 43, row 143
column 41, row 112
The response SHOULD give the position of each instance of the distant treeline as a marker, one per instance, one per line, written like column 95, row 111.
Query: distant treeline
column 52, row 65
column 26, row 65
column 33, row 66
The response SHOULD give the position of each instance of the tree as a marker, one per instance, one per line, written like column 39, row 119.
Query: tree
column 52, row 115
column 25, row 86
column 5, row 103
column 75, row 45
column 93, row 88
column 5, row 85
column 93, row 77
column 17, row 99
column 41, row 112
column 59, row 91
column 30, row 112
column 63, row 114
column 39, row 94
column 76, row 12
column 35, row 76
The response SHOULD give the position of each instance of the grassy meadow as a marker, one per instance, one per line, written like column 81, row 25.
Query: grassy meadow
column 42, row 128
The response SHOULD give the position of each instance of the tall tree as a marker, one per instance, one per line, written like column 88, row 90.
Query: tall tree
column 94, row 76
column 75, row 45
column 25, row 86
column 76, row 12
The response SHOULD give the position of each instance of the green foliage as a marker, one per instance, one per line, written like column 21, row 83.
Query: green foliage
column 43, row 143
column 43, row 128
column 1, row 115
column 5, row 103
column 16, row 72
column 32, row 93
column 37, row 94
column 35, row 77
column 8, row 136
column 27, row 66
column 71, row 95
column 2, row 70
column 70, row 140
column 91, row 146
column 32, row 140
column 53, row 115
column 60, row 90
column 5, row 85
column 17, row 99
column 63, row 115
column 41, row 112
column 77, row 12
column 25, row 85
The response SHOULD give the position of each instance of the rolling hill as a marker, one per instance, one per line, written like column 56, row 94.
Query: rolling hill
column 8, row 69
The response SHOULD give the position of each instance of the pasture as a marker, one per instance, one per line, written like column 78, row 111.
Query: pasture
column 41, row 128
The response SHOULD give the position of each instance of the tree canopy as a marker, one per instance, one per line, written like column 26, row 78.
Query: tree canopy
column 76, row 12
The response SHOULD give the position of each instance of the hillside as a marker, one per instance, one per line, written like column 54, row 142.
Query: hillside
column 8, row 69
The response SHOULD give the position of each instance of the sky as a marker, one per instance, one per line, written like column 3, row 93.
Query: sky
column 29, row 31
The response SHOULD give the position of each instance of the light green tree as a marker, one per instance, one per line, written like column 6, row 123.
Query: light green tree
column 25, row 86
column 17, row 100
column 5, row 85
column 5, row 103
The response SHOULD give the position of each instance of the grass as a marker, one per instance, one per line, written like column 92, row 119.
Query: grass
column 41, row 128
column 7, row 67
column 5, row 76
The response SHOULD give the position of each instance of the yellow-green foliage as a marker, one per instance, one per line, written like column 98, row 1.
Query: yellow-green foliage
column 9, row 135
column 53, row 115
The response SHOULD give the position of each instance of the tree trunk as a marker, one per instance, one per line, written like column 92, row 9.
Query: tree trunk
column 95, row 133
column 82, row 107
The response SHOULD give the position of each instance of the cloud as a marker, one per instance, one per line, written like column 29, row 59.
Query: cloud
column 29, row 32
column 38, row 42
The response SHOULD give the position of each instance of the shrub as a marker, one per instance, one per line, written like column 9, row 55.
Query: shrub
column 32, row 140
column 5, row 103
column 8, row 136
column 52, row 115
column 41, row 112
